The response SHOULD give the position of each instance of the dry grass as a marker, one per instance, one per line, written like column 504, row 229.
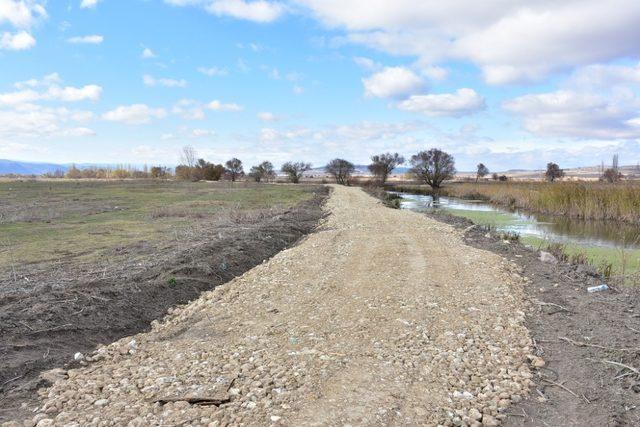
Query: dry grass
column 46, row 221
column 580, row 200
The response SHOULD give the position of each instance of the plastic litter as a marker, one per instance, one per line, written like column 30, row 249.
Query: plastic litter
column 600, row 288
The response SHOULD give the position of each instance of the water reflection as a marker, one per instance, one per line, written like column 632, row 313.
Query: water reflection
column 553, row 228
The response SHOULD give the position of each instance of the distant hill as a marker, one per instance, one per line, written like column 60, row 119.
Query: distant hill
column 28, row 168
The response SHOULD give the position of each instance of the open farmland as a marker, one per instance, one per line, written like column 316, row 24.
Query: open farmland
column 53, row 221
column 84, row 263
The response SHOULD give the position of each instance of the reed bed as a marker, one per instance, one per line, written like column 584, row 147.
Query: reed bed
column 580, row 200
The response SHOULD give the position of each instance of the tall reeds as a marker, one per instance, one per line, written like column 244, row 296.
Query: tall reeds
column 582, row 200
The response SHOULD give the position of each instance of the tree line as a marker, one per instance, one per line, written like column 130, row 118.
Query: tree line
column 431, row 167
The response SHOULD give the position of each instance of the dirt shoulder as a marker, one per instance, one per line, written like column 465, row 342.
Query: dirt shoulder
column 585, row 338
column 382, row 317
column 44, row 325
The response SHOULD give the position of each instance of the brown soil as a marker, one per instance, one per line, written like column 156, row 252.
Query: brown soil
column 68, row 310
column 381, row 317
column 575, row 333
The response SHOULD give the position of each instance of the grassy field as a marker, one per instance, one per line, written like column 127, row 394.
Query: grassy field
column 51, row 220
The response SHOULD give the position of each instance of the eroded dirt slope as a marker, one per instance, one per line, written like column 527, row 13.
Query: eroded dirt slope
column 383, row 317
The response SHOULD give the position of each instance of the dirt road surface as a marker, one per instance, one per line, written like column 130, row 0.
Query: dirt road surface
column 381, row 317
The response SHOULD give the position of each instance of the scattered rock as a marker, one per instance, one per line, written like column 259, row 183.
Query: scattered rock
column 536, row 362
column 54, row 375
column 547, row 257
column 101, row 402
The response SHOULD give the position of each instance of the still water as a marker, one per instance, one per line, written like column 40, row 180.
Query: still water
column 606, row 234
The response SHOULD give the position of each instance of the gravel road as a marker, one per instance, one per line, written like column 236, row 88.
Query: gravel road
column 381, row 317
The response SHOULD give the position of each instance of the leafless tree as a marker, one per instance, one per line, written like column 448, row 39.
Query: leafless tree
column 341, row 170
column 188, row 156
column 383, row 164
column 295, row 170
column 433, row 167
column 188, row 159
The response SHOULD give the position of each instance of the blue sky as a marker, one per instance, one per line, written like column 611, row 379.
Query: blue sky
column 506, row 83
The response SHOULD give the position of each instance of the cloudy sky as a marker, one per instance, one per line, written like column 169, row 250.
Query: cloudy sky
column 511, row 83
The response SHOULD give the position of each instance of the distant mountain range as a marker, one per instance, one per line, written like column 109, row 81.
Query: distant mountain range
column 18, row 167
column 28, row 168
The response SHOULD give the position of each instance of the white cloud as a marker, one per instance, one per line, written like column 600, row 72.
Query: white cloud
column 19, row 97
column 48, row 80
column 434, row 73
column 569, row 113
column 73, row 94
column 88, row 4
column 92, row 39
column 213, row 71
column 77, row 132
column 366, row 63
column 463, row 102
column 189, row 109
column 34, row 121
column 147, row 53
column 371, row 131
column 21, row 40
column 200, row 133
column 298, row 90
column 258, row 11
column 605, row 76
column 261, row 11
column 21, row 13
column 265, row 116
column 392, row 82
column 185, row 2
column 184, row 132
column 53, row 93
column 151, row 81
column 510, row 40
column 134, row 114
column 220, row 106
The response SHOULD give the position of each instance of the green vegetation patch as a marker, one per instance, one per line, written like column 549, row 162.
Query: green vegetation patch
column 622, row 261
column 50, row 220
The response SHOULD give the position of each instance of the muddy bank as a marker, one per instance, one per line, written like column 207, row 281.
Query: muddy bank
column 585, row 339
column 44, row 325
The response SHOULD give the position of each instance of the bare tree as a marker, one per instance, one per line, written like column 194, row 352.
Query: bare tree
column 383, row 164
column 295, row 170
column 188, row 156
column 553, row 172
column 482, row 171
column 433, row 167
column 234, row 169
column 188, row 159
column 341, row 170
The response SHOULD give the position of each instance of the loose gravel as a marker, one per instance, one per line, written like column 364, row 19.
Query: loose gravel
column 381, row 317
